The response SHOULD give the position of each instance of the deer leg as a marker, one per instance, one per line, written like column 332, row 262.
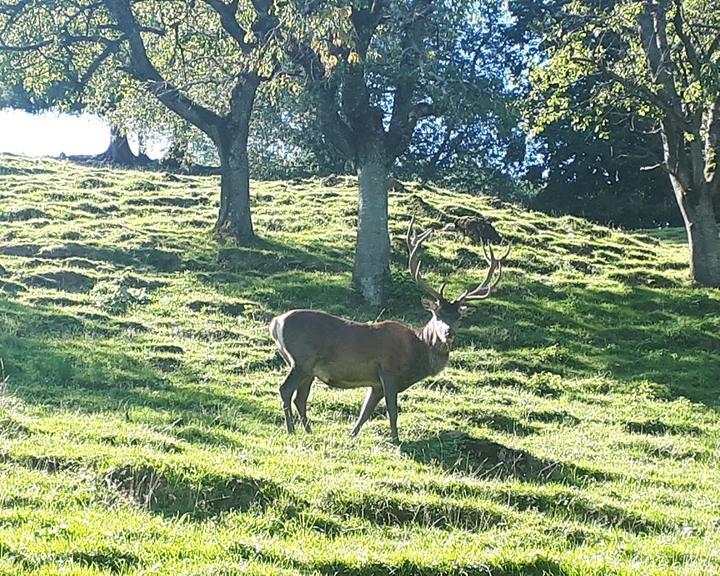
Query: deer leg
column 287, row 389
column 391, row 392
column 372, row 397
column 300, row 401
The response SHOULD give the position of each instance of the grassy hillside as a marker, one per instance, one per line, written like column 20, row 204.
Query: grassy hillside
column 575, row 432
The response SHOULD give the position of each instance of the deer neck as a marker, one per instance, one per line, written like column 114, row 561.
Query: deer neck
column 435, row 337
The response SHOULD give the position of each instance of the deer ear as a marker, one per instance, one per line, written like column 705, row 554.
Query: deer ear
column 429, row 304
column 464, row 311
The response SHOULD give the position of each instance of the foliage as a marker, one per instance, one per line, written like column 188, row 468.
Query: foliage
column 579, row 412
column 285, row 139
column 475, row 80
column 599, row 45
column 657, row 62
column 603, row 179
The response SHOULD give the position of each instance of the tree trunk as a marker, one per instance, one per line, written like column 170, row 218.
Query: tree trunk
column 234, row 220
column 118, row 151
column 702, row 231
column 372, row 251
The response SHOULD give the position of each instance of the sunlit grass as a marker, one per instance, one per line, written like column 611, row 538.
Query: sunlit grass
column 574, row 432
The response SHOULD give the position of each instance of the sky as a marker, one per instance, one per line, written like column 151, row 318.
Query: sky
column 52, row 133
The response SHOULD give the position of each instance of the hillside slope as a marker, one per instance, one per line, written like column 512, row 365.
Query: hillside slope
column 575, row 432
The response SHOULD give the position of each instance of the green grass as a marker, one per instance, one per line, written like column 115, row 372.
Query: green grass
column 575, row 431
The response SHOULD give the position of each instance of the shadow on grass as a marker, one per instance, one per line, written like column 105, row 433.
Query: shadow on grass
column 635, row 335
column 170, row 493
column 457, row 451
column 60, row 360
column 638, row 334
column 536, row 567
column 111, row 560
column 142, row 258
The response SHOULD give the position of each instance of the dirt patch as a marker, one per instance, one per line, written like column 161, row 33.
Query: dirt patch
column 65, row 280
column 23, row 215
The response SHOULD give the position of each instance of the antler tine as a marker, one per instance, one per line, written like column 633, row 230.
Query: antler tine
column 485, row 288
column 414, row 241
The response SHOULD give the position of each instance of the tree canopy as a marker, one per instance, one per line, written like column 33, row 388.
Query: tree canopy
column 655, row 62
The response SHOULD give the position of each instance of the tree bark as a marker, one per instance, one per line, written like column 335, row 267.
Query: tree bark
column 696, row 206
column 234, row 219
column 118, row 151
column 372, row 250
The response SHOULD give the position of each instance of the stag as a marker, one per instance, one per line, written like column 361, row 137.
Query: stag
column 384, row 357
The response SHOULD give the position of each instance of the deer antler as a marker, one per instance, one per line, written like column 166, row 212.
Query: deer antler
column 480, row 292
column 484, row 289
column 414, row 241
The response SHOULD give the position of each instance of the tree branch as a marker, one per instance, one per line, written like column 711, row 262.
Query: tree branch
column 229, row 22
column 405, row 115
column 690, row 51
column 142, row 69
column 25, row 47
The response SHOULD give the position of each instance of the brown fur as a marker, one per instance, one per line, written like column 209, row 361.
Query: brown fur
column 386, row 357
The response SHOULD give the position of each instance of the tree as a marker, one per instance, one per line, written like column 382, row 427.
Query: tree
column 657, row 60
column 601, row 179
column 285, row 138
column 374, row 75
column 600, row 176
column 203, row 61
column 474, row 142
